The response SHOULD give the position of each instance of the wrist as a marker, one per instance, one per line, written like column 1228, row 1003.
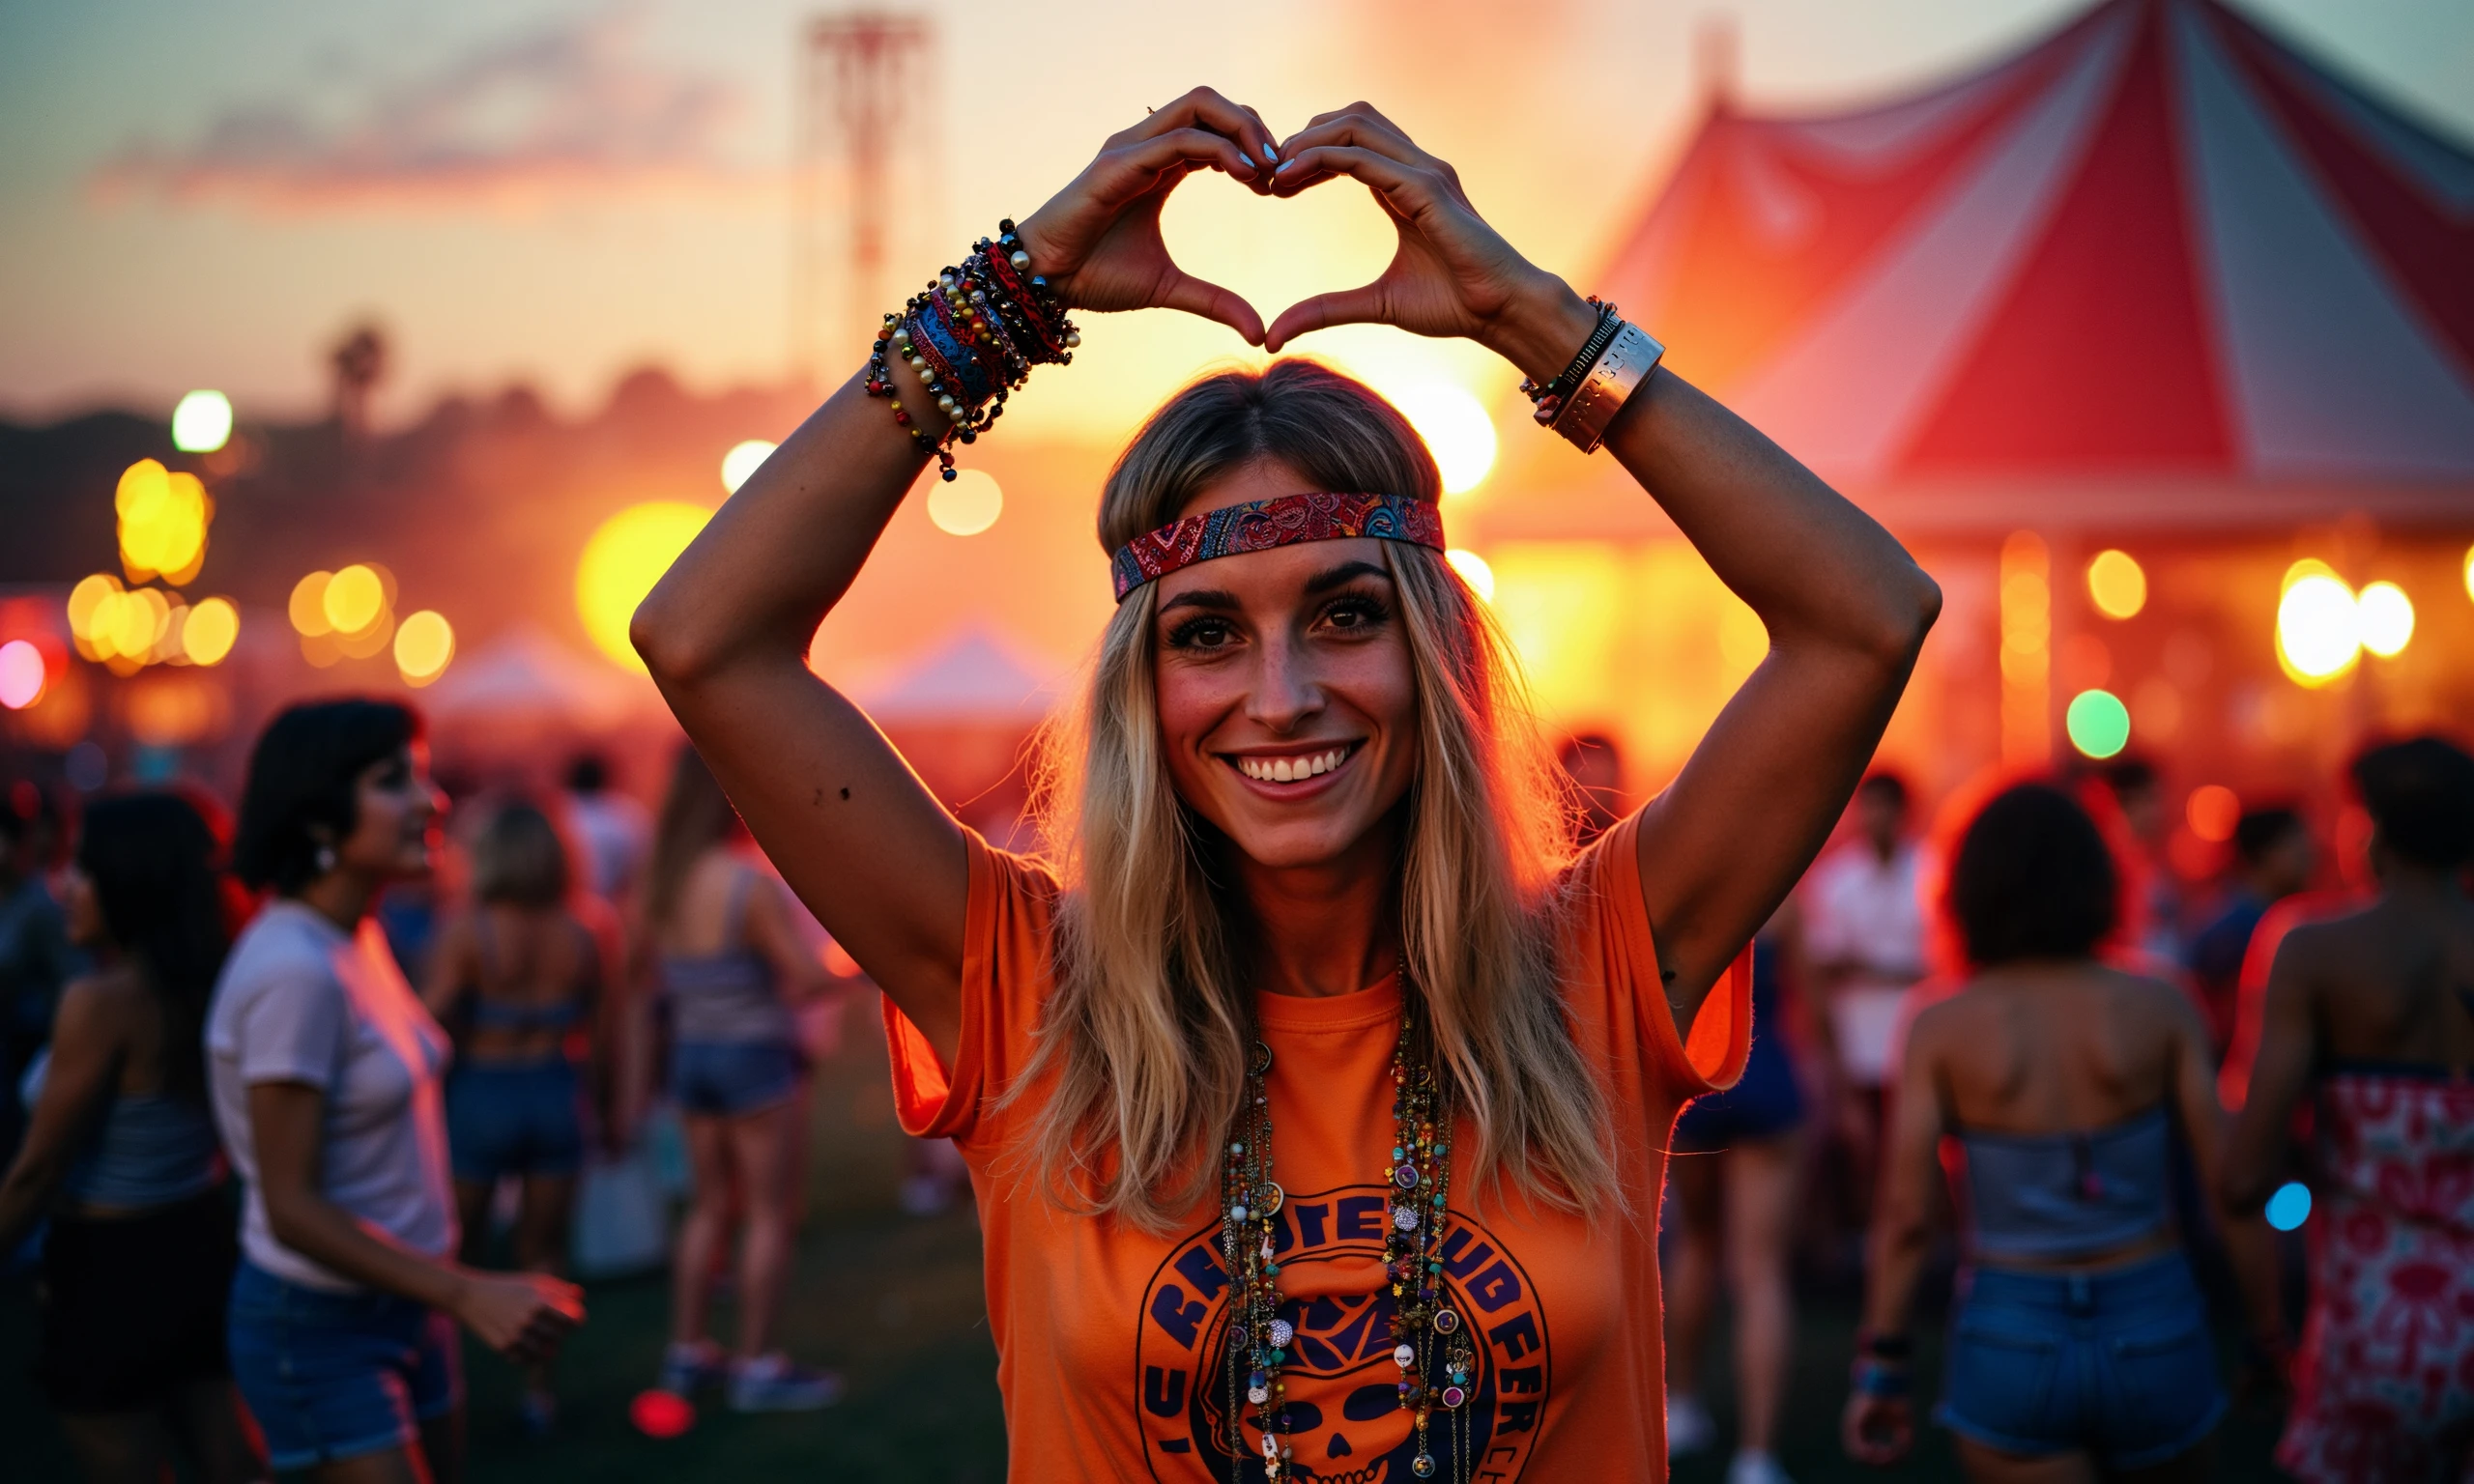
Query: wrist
column 1543, row 328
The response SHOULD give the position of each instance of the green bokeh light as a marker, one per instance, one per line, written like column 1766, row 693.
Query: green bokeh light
column 2098, row 723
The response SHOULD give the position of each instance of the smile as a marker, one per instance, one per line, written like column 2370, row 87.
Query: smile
column 1296, row 768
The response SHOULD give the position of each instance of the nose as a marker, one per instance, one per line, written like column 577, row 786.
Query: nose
column 1285, row 694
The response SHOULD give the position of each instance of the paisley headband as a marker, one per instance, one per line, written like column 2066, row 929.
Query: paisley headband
column 1258, row 526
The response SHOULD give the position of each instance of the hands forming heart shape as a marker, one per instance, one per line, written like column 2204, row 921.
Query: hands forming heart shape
column 1097, row 241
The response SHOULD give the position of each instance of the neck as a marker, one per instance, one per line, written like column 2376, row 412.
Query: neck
column 1328, row 928
column 340, row 897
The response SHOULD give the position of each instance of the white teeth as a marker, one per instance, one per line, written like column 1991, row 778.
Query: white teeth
column 1291, row 770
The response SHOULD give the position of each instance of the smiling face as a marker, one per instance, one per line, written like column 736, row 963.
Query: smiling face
column 1287, row 701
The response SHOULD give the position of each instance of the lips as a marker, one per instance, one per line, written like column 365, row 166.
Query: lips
column 1292, row 767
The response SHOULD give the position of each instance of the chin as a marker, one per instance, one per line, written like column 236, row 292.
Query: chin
column 1299, row 844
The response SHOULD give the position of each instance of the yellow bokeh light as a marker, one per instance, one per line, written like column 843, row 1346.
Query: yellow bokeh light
column 2319, row 626
column 1474, row 571
column 308, row 607
column 85, row 605
column 164, row 519
column 425, row 644
column 2386, row 617
column 210, row 632
column 965, row 505
column 623, row 560
column 143, row 486
column 2469, row 573
column 1456, row 430
column 2117, row 585
column 202, row 423
column 353, row 600
column 743, row 460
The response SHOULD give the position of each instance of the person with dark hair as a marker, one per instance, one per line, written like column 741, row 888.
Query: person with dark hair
column 520, row 976
column 2079, row 1344
column 1313, row 895
column 325, row 1072
column 35, row 957
column 120, row 1153
column 718, row 937
column 2137, row 793
column 610, row 827
column 2370, row 1013
column 2272, row 859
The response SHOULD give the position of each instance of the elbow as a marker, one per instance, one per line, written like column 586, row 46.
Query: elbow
column 668, row 644
column 1908, row 608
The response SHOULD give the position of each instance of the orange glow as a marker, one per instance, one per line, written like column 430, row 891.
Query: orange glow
column 1474, row 571
column 424, row 645
column 965, row 505
column 2026, row 650
column 211, row 630
column 2386, row 617
column 308, row 606
column 2213, row 811
column 2117, row 585
column 2318, row 625
column 623, row 560
column 353, row 600
column 164, row 520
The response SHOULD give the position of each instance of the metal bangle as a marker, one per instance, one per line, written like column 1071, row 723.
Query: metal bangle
column 1619, row 372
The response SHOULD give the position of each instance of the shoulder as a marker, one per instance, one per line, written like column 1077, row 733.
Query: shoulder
column 99, row 1008
column 277, row 953
column 2152, row 1000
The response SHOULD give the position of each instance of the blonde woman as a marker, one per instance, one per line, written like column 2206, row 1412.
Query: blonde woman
column 1315, row 1091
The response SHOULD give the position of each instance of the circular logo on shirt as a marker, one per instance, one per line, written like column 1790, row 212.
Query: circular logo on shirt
column 1346, row 1425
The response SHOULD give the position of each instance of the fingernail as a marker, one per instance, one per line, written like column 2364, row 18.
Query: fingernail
column 1248, row 158
column 1271, row 151
column 1283, row 166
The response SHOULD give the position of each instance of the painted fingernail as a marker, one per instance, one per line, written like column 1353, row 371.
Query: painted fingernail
column 1271, row 151
column 1283, row 166
column 1248, row 158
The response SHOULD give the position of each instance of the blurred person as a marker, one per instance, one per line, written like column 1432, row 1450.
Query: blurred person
column 35, row 957
column 2369, row 1013
column 609, row 828
column 1594, row 764
column 325, row 1068
column 2273, row 860
column 520, row 977
column 2152, row 889
column 121, row 1154
column 2080, row 1344
column 1733, row 1176
column 731, row 963
column 1318, row 898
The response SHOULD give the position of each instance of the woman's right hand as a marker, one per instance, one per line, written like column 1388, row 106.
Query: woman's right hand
column 1876, row 1430
column 1097, row 241
column 522, row 1316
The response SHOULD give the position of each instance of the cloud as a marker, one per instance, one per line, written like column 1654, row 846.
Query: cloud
column 571, row 111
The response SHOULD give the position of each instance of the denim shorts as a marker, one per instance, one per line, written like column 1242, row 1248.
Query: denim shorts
column 337, row 1374
column 2118, row 1364
column 731, row 1078
column 522, row 1118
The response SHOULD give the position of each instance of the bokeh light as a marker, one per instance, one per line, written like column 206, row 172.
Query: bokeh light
column 2318, row 625
column 354, row 599
column 2290, row 1206
column 621, row 561
column 743, row 460
column 209, row 631
column 85, row 603
column 424, row 645
column 202, row 423
column 2213, row 811
column 965, row 505
column 308, row 607
column 2469, row 574
column 2387, row 619
column 2117, row 585
column 164, row 517
column 1474, row 571
column 2098, row 723
column 22, row 674
column 1456, row 430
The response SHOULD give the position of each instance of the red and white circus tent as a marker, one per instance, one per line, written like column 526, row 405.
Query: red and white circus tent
column 2159, row 269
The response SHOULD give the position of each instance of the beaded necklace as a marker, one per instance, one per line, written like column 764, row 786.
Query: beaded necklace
column 1432, row 1345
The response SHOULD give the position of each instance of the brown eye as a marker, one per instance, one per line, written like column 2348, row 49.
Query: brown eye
column 1201, row 634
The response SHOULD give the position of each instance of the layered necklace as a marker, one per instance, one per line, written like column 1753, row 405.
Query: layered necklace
column 1430, row 1345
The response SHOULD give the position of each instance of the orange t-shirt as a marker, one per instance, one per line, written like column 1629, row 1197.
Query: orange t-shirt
column 1112, row 1343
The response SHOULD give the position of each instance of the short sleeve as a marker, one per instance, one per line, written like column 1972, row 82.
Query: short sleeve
column 297, row 1027
column 1006, row 936
column 1610, row 927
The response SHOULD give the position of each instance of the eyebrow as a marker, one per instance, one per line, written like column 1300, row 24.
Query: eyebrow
column 1322, row 581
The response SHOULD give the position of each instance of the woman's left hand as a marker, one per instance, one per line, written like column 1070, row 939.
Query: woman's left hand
column 1876, row 1430
column 1453, row 274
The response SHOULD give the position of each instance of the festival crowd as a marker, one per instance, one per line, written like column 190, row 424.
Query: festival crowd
column 282, row 1079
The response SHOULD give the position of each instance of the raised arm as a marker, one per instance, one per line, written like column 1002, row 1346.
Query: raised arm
column 726, row 632
column 1846, row 607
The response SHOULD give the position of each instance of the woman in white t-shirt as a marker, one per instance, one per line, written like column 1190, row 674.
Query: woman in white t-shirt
column 324, row 1073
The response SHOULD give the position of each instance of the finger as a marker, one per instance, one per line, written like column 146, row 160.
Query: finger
column 1206, row 108
column 1346, row 306
column 1196, row 296
column 1406, row 188
column 1358, row 124
column 1189, row 147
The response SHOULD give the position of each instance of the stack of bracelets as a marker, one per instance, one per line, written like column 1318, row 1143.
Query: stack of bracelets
column 1618, row 356
column 1881, row 1365
column 973, row 336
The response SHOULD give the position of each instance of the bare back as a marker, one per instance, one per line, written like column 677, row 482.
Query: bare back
column 2393, row 983
column 2054, row 1048
column 531, row 974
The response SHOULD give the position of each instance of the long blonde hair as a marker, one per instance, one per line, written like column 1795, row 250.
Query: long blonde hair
column 1148, row 1030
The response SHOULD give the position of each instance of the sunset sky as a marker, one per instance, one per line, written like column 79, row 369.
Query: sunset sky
column 553, row 192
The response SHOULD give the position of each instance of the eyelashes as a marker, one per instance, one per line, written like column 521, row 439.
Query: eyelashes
column 1349, row 614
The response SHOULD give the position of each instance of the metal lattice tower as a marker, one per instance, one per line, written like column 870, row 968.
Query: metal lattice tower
column 867, row 156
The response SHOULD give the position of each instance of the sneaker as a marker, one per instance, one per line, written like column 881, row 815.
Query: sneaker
column 1689, row 1428
column 687, row 1368
column 774, row 1383
column 1750, row 1467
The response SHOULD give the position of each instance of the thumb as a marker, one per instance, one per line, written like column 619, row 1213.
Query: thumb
column 1201, row 297
column 1346, row 306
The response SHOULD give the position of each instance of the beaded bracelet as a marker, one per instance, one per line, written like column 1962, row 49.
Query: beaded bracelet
column 973, row 337
column 1548, row 396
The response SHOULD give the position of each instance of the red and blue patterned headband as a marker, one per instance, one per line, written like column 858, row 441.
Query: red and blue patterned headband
column 1258, row 526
